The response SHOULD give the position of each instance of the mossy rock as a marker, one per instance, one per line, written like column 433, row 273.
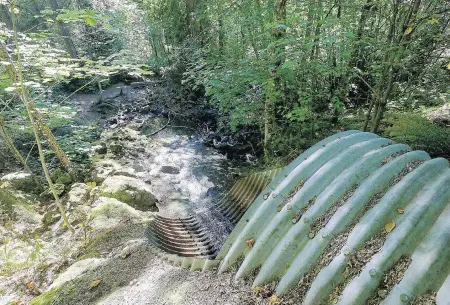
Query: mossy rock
column 65, row 179
column 130, row 190
column 56, row 174
column 46, row 298
column 22, row 181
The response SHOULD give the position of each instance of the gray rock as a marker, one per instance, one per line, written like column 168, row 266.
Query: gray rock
column 78, row 194
column 170, row 170
column 110, row 213
column 100, row 148
column 104, row 169
column 22, row 181
column 130, row 190
column 441, row 115
column 76, row 270
column 116, row 148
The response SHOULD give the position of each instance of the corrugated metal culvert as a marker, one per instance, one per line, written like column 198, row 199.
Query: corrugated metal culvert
column 355, row 219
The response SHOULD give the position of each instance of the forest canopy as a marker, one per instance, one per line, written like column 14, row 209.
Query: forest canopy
column 280, row 74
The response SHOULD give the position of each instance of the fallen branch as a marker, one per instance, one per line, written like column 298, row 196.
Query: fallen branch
column 162, row 128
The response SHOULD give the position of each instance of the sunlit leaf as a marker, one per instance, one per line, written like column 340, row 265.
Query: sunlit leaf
column 389, row 226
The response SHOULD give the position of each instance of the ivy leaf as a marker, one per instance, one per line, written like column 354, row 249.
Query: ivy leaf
column 90, row 21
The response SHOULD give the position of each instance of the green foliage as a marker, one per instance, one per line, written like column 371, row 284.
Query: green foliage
column 419, row 133
column 314, row 60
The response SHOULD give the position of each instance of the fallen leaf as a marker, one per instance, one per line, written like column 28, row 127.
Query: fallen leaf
column 274, row 300
column 400, row 211
column 258, row 289
column 92, row 184
column 408, row 30
column 389, row 226
column 250, row 242
column 95, row 283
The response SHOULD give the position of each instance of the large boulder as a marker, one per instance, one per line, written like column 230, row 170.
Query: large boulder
column 440, row 115
column 130, row 190
column 22, row 181
column 110, row 213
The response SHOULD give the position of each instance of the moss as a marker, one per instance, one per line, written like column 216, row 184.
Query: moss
column 90, row 254
column 56, row 174
column 94, row 242
column 65, row 179
column 47, row 297
column 123, row 196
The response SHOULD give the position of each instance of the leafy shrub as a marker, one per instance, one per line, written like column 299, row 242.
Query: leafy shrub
column 419, row 133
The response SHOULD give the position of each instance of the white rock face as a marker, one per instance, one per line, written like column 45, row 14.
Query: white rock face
column 76, row 270
column 21, row 181
column 27, row 220
column 79, row 194
column 130, row 190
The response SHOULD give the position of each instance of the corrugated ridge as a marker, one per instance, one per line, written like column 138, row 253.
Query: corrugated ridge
column 368, row 188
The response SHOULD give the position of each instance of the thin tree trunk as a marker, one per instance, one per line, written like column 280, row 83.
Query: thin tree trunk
column 271, row 99
column 37, row 117
column 6, row 16
column 25, row 98
column 10, row 144
column 64, row 32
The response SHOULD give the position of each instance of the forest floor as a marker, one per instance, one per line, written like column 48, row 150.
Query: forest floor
column 145, row 150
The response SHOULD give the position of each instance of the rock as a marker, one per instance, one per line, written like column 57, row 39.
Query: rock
column 79, row 215
column 110, row 213
column 440, row 115
column 104, row 169
column 129, row 190
column 125, row 252
column 77, row 269
column 116, row 148
column 26, row 219
column 100, row 148
column 78, row 194
column 51, row 217
column 22, row 181
column 170, row 170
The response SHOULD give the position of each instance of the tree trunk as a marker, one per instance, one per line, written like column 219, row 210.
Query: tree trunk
column 64, row 32
column 10, row 144
column 37, row 117
column 278, row 33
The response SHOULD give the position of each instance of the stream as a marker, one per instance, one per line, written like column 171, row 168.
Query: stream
column 186, row 176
